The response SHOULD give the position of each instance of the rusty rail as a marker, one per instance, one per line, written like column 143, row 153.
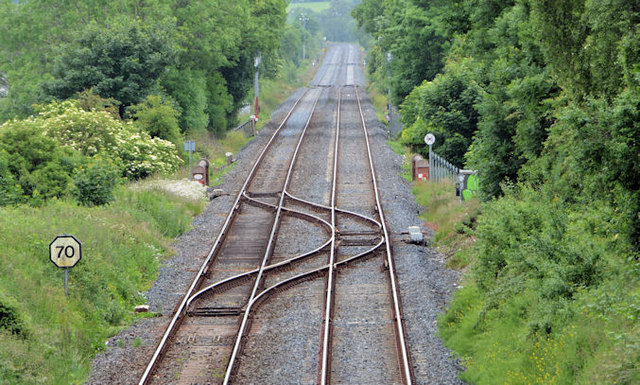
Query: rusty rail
column 267, row 255
column 404, row 357
column 181, row 309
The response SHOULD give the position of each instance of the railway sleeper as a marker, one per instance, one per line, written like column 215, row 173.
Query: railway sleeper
column 216, row 311
column 264, row 194
column 359, row 242
column 357, row 233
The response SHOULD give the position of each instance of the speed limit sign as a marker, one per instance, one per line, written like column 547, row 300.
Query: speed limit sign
column 65, row 251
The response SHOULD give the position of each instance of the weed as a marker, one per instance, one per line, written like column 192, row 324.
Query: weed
column 47, row 338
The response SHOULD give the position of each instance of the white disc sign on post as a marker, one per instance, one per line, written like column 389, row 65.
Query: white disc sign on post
column 65, row 251
column 430, row 139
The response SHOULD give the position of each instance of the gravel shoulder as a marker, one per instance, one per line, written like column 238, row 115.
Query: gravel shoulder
column 426, row 284
column 127, row 353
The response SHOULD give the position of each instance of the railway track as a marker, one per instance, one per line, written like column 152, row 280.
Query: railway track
column 247, row 263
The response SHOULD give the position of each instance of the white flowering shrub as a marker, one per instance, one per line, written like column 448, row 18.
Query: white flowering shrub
column 98, row 132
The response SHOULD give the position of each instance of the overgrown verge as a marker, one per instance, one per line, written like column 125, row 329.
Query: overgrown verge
column 452, row 221
column 49, row 339
column 551, row 296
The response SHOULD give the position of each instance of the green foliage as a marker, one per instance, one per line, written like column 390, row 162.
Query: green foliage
column 157, row 117
column 9, row 320
column 336, row 21
column 552, row 293
column 189, row 89
column 122, row 62
column 444, row 107
column 123, row 247
column 97, row 132
column 93, row 183
column 199, row 53
column 38, row 155
column 88, row 100
column 411, row 33
column 315, row 6
column 592, row 46
column 38, row 165
column 291, row 45
column 10, row 190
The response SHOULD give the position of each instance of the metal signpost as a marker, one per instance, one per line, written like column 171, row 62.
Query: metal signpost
column 190, row 147
column 256, row 83
column 65, row 251
column 430, row 139
column 389, row 104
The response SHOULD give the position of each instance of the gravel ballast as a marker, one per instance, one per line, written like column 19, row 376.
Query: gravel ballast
column 425, row 283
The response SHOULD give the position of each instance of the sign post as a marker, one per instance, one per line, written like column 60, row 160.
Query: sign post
column 430, row 139
column 190, row 147
column 65, row 251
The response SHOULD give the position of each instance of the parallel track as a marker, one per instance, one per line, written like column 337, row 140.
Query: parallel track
column 193, row 292
column 280, row 202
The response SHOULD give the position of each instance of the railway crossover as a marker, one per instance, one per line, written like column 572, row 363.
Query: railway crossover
column 307, row 218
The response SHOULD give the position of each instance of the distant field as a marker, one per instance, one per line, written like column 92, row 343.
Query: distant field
column 316, row 6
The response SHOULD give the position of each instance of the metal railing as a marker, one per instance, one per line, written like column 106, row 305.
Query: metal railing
column 440, row 169
column 248, row 127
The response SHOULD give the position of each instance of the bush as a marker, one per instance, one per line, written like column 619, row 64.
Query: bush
column 10, row 190
column 98, row 132
column 33, row 163
column 158, row 118
column 93, row 184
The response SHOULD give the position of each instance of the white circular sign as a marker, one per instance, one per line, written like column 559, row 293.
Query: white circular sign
column 429, row 139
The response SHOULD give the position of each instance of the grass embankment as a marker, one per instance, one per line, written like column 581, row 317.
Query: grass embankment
column 563, row 307
column 49, row 339
column 46, row 338
column 551, row 297
column 453, row 221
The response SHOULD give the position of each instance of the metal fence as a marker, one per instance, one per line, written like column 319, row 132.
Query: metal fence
column 248, row 127
column 441, row 169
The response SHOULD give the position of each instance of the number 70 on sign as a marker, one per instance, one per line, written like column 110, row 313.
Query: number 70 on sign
column 65, row 251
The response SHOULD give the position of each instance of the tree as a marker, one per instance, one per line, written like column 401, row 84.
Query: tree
column 158, row 118
column 122, row 62
column 445, row 107
column 411, row 33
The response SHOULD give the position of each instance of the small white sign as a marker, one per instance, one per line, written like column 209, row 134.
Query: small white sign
column 429, row 139
column 190, row 146
column 65, row 251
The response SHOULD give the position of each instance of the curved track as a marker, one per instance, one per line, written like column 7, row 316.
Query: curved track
column 203, row 342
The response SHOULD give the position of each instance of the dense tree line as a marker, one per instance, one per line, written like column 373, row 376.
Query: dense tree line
column 543, row 99
column 109, row 89
column 335, row 22
column 198, row 54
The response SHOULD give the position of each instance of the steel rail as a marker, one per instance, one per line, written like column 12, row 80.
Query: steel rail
column 403, row 352
column 282, row 284
column 268, row 250
column 291, row 260
column 274, row 266
column 328, row 304
column 338, row 210
column 180, row 311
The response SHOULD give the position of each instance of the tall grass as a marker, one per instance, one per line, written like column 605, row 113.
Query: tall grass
column 452, row 220
column 122, row 243
column 551, row 297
